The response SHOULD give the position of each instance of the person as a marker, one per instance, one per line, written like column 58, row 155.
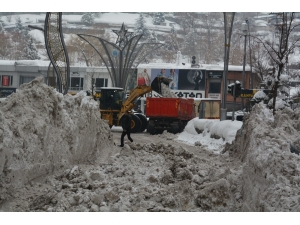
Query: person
column 143, row 78
column 126, row 125
column 139, row 110
column 161, row 73
column 174, row 76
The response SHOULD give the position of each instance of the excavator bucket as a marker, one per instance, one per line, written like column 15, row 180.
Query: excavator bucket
column 156, row 83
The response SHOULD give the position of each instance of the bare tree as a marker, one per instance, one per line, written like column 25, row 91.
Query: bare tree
column 261, row 61
column 280, row 47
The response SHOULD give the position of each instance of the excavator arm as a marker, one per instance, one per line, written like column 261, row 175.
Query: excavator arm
column 139, row 91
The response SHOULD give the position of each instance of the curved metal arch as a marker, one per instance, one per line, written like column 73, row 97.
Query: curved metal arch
column 56, row 50
column 103, row 59
column 119, row 65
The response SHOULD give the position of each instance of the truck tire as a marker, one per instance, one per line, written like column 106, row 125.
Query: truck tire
column 151, row 128
column 143, row 121
column 135, row 124
column 175, row 127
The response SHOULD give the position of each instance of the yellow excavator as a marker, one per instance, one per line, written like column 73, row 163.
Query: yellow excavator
column 112, row 108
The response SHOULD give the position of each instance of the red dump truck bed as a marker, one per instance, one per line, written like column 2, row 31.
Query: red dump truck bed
column 179, row 108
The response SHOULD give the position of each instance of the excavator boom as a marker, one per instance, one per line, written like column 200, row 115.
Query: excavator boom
column 140, row 91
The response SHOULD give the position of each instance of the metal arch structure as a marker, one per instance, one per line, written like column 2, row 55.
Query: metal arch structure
column 119, row 59
column 56, row 50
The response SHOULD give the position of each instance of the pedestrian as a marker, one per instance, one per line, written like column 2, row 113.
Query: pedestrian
column 139, row 110
column 126, row 125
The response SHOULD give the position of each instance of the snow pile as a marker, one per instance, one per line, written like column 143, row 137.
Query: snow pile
column 42, row 131
column 149, row 177
column 271, row 173
column 204, row 132
column 166, row 91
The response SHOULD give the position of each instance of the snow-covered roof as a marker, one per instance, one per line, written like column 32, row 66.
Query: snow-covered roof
column 188, row 66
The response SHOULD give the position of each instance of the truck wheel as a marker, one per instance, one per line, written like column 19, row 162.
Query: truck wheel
column 143, row 121
column 180, row 125
column 151, row 128
column 159, row 131
column 174, row 129
column 135, row 124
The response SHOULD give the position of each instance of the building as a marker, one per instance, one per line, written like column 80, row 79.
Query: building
column 204, row 81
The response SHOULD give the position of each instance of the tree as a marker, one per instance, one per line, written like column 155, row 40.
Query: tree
column 211, row 44
column 191, row 43
column 280, row 47
column 2, row 30
column 171, row 47
column 141, row 28
column 261, row 61
column 158, row 18
column 152, row 37
column 5, row 46
column 189, row 21
column 88, row 18
column 30, row 51
column 19, row 27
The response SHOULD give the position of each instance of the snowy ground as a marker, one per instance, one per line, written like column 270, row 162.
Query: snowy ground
column 57, row 155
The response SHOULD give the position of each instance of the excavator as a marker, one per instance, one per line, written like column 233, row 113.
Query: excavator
column 112, row 108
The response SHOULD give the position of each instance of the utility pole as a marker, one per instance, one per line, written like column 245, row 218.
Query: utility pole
column 251, row 75
column 228, row 23
column 245, row 31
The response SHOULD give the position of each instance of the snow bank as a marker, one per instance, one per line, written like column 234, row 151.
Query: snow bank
column 271, row 173
column 204, row 132
column 42, row 131
column 215, row 128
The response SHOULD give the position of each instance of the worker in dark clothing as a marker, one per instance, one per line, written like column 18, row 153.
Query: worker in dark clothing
column 139, row 110
column 126, row 125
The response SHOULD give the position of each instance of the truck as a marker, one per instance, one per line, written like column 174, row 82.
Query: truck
column 171, row 114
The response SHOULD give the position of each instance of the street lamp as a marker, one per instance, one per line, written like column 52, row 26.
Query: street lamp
column 228, row 22
column 245, row 33
column 251, row 75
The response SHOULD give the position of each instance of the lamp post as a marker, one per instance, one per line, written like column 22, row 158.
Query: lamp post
column 245, row 33
column 228, row 22
column 251, row 75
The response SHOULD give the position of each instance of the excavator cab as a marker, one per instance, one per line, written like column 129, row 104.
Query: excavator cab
column 111, row 98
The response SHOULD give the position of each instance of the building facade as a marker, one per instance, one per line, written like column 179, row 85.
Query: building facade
column 188, row 82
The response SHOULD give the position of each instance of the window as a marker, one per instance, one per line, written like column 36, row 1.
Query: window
column 100, row 82
column 24, row 79
column 6, row 80
column 215, row 86
column 76, row 83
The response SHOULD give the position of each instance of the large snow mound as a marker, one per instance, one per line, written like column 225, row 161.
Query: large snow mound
column 42, row 131
column 271, row 172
